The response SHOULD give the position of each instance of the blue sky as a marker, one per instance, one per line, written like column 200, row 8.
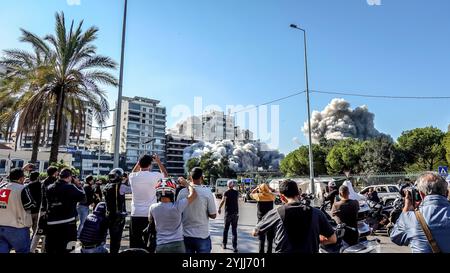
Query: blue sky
column 243, row 52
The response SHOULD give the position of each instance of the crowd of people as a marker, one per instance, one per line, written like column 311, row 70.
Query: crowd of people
column 173, row 216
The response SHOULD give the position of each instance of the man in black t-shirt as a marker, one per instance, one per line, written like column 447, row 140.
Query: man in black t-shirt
column 298, row 228
column 231, row 201
column 346, row 212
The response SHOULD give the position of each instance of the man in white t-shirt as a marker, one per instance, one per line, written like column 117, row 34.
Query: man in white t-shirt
column 197, row 238
column 143, row 183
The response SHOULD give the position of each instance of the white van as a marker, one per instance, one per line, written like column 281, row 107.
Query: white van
column 222, row 186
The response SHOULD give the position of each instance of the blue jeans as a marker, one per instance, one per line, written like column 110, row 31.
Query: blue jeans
column 99, row 249
column 14, row 238
column 197, row 245
column 83, row 212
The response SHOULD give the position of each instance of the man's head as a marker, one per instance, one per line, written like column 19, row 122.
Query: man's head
column 197, row 175
column 344, row 192
column 145, row 162
column 289, row 189
column 90, row 180
column 66, row 175
column 17, row 175
column 34, row 176
column 52, row 171
column 370, row 189
column 230, row 184
column 432, row 184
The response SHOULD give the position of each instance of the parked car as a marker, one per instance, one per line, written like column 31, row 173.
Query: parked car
column 221, row 186
column 386, row 193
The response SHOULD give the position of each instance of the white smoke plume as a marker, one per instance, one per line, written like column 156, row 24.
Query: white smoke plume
column 338, row 121
column 241, row 157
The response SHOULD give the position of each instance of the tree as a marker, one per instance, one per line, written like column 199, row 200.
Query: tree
column 345, row 156
column 380, row 155
column 422, row 148
column 446, row 143
column 7, row 121
column 192, row 163
column 25, row 80
column 297, row 162
column 73, row 78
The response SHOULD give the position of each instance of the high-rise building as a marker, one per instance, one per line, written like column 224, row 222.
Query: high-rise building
column 175, row 145
column 143, row 129
column 90, row 163
column 70, row 137
column 94, row 145
column 211, row 127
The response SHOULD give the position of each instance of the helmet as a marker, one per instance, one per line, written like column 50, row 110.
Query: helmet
column 116, row 174
column 166, row 188
column 332, row 184
column 101, row 208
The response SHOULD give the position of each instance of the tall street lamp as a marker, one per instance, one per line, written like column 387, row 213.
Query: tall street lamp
column 101, row 129
column 119, row 99
column 311, row 157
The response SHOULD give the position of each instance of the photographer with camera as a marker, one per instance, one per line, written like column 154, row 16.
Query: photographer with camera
column 424, row 225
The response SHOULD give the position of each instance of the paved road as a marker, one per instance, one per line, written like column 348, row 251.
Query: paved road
column 249, row 244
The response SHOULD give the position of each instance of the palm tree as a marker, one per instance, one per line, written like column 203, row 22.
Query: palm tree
column 68, row 82
column 24, row 81
column 7, row 122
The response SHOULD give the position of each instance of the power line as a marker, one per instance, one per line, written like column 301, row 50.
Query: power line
column 346, row 94
column 270, row 102
column 380, row 96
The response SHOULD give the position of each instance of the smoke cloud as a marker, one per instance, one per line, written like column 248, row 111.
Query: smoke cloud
column 241, row 157
column 338, row 121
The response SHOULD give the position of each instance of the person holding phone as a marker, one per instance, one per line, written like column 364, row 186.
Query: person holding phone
column 143, row 182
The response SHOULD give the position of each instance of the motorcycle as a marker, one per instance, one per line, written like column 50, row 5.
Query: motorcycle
column 395, row 213
column 364, row 245
column 378, row 217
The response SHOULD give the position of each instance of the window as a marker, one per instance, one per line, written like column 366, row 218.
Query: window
column 381, row 189
column 135, row 106
column 366, row 190
column 393, row 189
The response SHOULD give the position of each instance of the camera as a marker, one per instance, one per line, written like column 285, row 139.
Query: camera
column 413, row 192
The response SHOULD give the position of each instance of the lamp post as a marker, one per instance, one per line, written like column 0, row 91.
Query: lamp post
column 101, row 129
column 311, row 157
column 119, row 99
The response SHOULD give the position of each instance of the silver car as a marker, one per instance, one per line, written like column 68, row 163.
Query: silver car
column 386, row 193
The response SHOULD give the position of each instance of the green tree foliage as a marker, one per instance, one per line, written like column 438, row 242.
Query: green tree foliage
column 345, row 155
column 192, row 163
column 422, row 148
column 297, row 162
column 211, row 168
column 62, row 165
column 380, row 155
column 446, row 143
column 63, row 77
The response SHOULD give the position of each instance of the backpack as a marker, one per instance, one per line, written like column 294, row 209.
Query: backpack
column 297, row 219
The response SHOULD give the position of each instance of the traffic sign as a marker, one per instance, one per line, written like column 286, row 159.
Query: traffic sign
column 443, row 171
column 247, row 180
